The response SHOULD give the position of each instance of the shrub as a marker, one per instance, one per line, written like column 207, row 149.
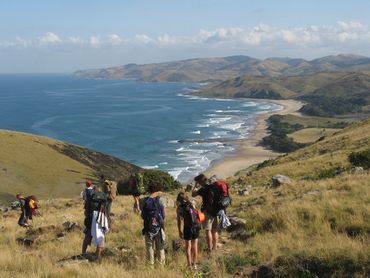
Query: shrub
column 165, row 179
column 330, row 173
column 360, row 159
column 234, row 261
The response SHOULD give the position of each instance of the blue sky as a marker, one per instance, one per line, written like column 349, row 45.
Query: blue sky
column 66, row 35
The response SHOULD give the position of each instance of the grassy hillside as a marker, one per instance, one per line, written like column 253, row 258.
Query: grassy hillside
column 50, row 168
column 314, row 161
column 316, row 226
column 325, row 94
column 222, row 68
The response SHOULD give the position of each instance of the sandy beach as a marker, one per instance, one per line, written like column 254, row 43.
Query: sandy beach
column 250, row 151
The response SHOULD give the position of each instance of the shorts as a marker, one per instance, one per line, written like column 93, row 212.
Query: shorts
column 211, row 222
column 191, row 233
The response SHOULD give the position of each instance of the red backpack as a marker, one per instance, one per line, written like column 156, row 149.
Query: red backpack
column 222, row 188
column 223, row 198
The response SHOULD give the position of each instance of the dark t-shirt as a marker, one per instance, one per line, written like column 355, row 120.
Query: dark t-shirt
column 204, row 193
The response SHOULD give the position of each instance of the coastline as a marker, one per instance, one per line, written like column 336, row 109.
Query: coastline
column 250, row 151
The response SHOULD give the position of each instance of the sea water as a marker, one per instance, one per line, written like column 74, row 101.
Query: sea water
column 153, row 125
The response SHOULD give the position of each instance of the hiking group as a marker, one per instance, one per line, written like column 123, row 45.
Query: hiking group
column 98, row 201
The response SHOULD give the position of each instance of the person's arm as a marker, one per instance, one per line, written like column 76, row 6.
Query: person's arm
column 137, row 208
column 194, row 191
column 179, row 224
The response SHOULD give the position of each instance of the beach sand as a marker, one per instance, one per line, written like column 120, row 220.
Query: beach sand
column 250, row 151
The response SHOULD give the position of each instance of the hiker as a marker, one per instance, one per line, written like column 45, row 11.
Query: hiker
column 96, row 222
column 28, row 207
column 86, row 195
column 110, row 188
column 211, row 223
column 190, row 233
column 137, row 188
column 153, row 215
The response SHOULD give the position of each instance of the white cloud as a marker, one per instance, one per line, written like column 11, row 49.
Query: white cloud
column 50, row 37
column 114, row 39
column 343, row 36
column 94, row 41
column 142, row 38
column 167, row 40
column 76, row 40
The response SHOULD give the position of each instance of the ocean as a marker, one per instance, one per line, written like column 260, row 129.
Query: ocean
column 153, row 125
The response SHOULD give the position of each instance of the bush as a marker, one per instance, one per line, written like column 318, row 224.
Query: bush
column 278, row 139
column 234, row 261
column 330, row 173
column 161, row 177
column 165, row 179
column 360, row 159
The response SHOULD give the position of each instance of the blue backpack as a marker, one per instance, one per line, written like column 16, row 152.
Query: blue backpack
column 152, row 216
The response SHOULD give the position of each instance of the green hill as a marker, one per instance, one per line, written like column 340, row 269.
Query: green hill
column 50, row 168
column 325, row 94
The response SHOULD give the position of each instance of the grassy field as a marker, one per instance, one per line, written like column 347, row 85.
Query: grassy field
column 310, row 135
column 325, row 224
column 317, row 226
column 51, row 168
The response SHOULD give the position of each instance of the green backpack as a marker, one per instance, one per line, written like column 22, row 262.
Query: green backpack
column 98, row 201
column 140, row 183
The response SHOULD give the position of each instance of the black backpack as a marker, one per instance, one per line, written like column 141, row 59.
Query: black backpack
column 191, row 219
column 152, row 216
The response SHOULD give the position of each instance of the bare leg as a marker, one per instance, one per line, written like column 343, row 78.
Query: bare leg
column 188, row 252
column 99, row 251
column 209, row 239
column 214, row 239
column 194, row 249
column 86, row 242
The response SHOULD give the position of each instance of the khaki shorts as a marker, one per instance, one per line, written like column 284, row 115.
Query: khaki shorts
column 210, row 223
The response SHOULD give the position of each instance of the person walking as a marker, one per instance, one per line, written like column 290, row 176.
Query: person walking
column 153, row 215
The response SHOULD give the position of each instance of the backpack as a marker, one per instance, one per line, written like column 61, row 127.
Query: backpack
column 111, row 189
column 222, row 194
column 31, row 205
column 139, row 178
column 152, row 216
column 191, row 217
column 98, row 202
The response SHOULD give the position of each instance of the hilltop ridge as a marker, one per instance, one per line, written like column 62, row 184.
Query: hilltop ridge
column 222, row 68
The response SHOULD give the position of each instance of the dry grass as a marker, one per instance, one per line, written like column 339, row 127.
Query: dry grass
column 310, row 135
column 42, row 259
column 287, row 224
column 28, row 163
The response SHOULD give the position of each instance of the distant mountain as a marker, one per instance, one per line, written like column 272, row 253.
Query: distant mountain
column 218, row 69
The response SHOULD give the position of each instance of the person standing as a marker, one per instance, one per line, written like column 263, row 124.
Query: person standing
column 153, row 215
column 23, row 218
column 207, row 192
column 110, row 189
column 190, row 233
column 96, row 222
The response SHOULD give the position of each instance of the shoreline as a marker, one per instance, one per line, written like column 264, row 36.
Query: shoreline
column 250, row 151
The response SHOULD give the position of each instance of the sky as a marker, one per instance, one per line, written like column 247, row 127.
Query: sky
column 67, row 35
